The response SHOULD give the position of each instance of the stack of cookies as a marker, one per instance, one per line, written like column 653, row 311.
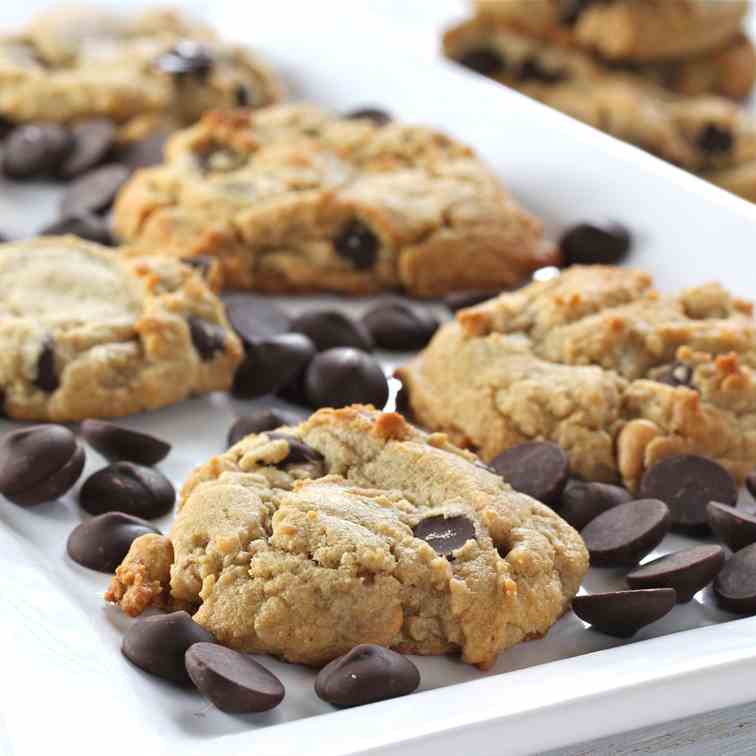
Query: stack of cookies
column 660, row 74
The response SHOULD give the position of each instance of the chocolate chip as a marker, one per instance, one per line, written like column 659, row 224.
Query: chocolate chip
column 751, row 483
column 35, row 150
column 129, row 488
column 396, row 326
column 233, row 682
column 208, row 338
column 588, row 244
column 459, row 300
column 624, row 534
column 571, row 10
column 377, row 116
column 531, row 69
column 116, row 443
column 241, row 96
column 734, row 528
column 483, row 60
column 445, row 534
column 623, row 613
column 259, row 422
column 158, row 644
column 101, row 543
column 92, row 141
column 254, row 317
column 39, row 464
column 714, row 140
column 46, row 378
column 676, row 375
column 299, row 452
column 87, row 226
column 186, row 58
column 365, row 675
column 144, row 152
column 330, row 328
column 537, row 468
column 272, row 363
column 687, row 483
column 358, row 244
column 735, row 586
column 583, row 501
column 200, row 263
column 686, row 571
column 94, row 191
column 343, row 376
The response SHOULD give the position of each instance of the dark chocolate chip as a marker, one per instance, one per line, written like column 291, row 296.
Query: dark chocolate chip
column 532, row 69
column 272, row 363
column 186, row 58
column 537, row 468
column 299, row 451
column 208, row 338
column 35, row 150
column 377, row 116
column 686, row 571
column 259, row 422
column 92, row 141
column 624, row 534
column 330, row 328
column 358, row 244
column 714, row 140
column 144, row 152
column 88, row 226
column 116, row 443
column 125, row 487
column 94, row 191
column 200, row 263
column 46, row 378
column 459, row 300
column 396, row 326
column 39, row 464
column 158, row 644
column 587, row 244
column 751, row 483
column 6, row 127
column 242, row 97
column 686, row 484
column 101, row 543
column 343, row 376
column 233, row 682
column 445, row 534
column 735, row 586
column 571, row 10
column 365, row 675
column 483, row 60
column 623, row 613
column 676, row 375
column 583, row 501
column 734, row 528
column 254, row 317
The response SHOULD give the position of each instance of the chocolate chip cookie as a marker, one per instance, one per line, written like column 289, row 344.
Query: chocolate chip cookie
column 354, row 527
column 597, row 361
column 85, row 332
column 291, row 198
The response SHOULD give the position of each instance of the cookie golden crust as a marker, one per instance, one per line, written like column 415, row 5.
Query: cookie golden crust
column 87, row 333
column 307, row 559
column 597, row 361
column 293, row 199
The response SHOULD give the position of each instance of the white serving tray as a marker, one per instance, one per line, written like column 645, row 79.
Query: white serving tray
column 66, row 687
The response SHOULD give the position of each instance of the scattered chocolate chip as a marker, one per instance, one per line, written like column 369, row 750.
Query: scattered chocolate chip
column 623, row 613
column 299, row 451
column 735, row 586
column 330, row 328
column 125, row 487
column 39, row 464
column 87, row 226
column 254, row 317
column 101, row 543
column 733, row 527
column 483, row 60
column 365, row 675
column 624, row 534
column 676, row 375
column 34, row 150
column 272, row 363
column 116, row 443
column 233, row 682
column 208, row 338
column 396, row 326
column 537, row 468
column 200, row 263
column 686, row 484
column 459, row 300
column 158, row 644
column 241, row 96
column 144, row 152
column 295, row 391
column 358, row 244
column 186, row 58
column 378, row 116
column 583, row 501
column 94, row 191
column 686, row 571
column 531, row 69
column 445, row 534
column 46, row 378
column 714, row 140
column 343, row 376
column 92, row 141
column 587, row 244
column 751, row 483
column 259, row 422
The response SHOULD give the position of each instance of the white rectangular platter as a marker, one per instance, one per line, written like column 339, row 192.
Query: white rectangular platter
column 66, row 687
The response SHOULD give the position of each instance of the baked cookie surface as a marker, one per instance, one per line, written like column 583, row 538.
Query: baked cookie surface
column 598, row 362
column 291, row 198
column 355, row 527
column 87, row 333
